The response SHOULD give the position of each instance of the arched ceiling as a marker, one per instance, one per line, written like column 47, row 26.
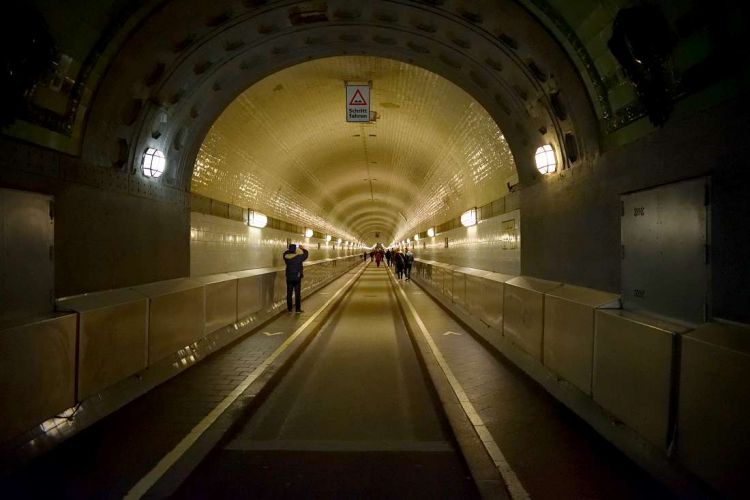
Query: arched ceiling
column 128, row 73
column 283, row 147
column 179, row 71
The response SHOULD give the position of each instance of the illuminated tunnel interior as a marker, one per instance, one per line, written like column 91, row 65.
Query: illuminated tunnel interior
column 569, row 178
column 432, row 152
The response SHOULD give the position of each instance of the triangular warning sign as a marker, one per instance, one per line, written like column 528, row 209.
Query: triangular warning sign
column 357, row 99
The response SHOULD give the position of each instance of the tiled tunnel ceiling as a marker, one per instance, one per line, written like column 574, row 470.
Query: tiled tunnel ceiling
column 283, row 147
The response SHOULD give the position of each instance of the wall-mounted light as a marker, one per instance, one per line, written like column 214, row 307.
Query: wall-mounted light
column 339, row 241
column 431, row 232
column 153, row 163
column 256, row 219
column 416, row 237
column 469, row 218
column 308, row 233
column 328, row 238
column 545, row 159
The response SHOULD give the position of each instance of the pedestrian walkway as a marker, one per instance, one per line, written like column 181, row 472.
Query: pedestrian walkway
column 108, row 458
column 353, row 418
column 553, row 453
column 357, row 397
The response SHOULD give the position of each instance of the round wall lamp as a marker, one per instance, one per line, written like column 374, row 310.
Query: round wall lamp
column 308, row 233
column 431, row 232
column 546, row 162
column 153, row 163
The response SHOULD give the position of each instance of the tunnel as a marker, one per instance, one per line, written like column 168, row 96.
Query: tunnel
column 523, row 225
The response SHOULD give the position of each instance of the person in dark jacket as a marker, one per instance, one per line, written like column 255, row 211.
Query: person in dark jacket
column 408, row 262
column 398, row 258
column 293, row 258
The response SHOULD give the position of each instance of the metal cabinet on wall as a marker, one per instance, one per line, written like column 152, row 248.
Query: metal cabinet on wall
column 26, row 265
column 665, row 250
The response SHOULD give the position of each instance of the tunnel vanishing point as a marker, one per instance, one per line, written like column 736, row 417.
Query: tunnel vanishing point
column 569, row 175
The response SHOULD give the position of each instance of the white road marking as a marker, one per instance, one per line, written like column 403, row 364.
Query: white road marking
column 516, row 489
column 451, row 333
column 269, row 334
column 150, row 479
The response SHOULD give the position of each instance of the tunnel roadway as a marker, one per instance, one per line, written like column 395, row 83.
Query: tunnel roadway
column 354, row 416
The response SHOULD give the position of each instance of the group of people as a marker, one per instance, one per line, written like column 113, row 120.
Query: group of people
column 403, row 260
column 297, row 254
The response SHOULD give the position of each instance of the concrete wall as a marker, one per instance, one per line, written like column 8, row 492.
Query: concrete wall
column 105, row 240
column 112, row 229
column 571, row 222
column 219, row 245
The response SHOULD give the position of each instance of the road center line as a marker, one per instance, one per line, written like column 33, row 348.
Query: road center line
column 515, row 488
column 150, row 479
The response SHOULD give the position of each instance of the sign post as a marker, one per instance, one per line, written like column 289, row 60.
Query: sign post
column 357, row 103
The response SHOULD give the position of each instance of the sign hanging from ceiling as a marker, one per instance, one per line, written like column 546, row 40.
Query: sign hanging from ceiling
column 358, row 103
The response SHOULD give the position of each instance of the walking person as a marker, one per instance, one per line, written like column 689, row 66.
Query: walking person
column 398, row 258
column 388, row 257
column 378, row 257
column 293, row 258
column 408, row 262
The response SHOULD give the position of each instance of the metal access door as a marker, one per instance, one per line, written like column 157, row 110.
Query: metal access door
column 26, row 251
column 665, row 252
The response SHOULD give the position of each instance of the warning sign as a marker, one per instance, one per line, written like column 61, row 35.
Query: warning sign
column 358, row 99
column 358, row 103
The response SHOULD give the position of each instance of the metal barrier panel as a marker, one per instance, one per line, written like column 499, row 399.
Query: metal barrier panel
column 112, row 337
column 221, row 301
column 469, row 288
column 714, row 403
column 176, row 316
column 458, row 291
column 279, row 288
column 632, row 376
column 492, row 301
column 249, row 296
column 438, row 273
column 268, row 290
column 37, row 372
column 569, row 331
column 523, row 313
column 422, row 271
column 475, row 302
